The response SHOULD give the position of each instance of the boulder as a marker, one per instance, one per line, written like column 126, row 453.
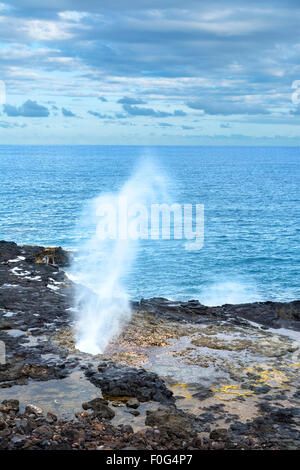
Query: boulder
column 122, row 381
column 100, row 408
column 133, row 403
column 171, row 422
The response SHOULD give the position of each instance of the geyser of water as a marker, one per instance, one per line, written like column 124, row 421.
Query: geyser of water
column 100, row 297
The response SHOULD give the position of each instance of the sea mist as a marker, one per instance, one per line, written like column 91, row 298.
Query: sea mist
column 101, row 301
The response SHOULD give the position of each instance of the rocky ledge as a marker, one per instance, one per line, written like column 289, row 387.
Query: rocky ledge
column 181, row 374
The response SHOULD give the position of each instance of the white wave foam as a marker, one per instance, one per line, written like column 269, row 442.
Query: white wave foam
column 229, row 292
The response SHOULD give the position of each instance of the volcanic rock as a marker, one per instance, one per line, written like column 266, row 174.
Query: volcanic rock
column 133, row 403
column 123, row 381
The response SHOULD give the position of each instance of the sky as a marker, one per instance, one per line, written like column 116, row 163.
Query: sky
column 150, row 72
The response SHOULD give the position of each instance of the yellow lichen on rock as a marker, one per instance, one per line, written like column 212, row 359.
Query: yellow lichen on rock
column 271, row 377
column 182, row 390
column 234, row 390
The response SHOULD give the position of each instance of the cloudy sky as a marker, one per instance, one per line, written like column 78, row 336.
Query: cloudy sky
column 141, row 72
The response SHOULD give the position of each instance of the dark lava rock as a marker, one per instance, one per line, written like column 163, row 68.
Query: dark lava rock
column 105, row 412
column 55, row 256
column 285, row 415
column 169, row 428
column 203, row 393
column 261, row 390
column 94, row 404
column 174, row 310
column 267, row 314
column 270, row 314
column 100, row 408
column 44, row 432
column 127, row 429
column 218, row 434
column 9, row 405
column 34, row 300
column 171, row 422
column 2, row 422
column 123, row 381
column 133, row 403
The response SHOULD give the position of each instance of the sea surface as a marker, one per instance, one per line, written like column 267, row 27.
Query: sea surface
column 252, row 207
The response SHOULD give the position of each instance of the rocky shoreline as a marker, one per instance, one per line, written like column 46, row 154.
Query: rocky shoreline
column 180, row 376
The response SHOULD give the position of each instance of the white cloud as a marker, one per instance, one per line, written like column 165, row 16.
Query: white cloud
column 41, row 30
column 76, row 16
column 18, row 51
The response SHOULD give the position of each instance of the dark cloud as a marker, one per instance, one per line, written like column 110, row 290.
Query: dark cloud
column 226, row 108
column 131, row 101
column 99, row 115
column 138, row 111
column 148, row 39
column 28, row 109
column 67, row 113
column 179, row 112
column 245, row 55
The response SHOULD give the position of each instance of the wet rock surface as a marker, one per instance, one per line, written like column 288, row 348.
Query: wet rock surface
column 270, row 314
column 100, row 408
column 191, row 376
column 166, row 429
column 34, row 302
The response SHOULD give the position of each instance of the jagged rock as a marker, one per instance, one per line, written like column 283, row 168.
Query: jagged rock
column 268, row 314
column 44, row 432
column 100, row 408
column 171, row 422
column 271, row 314
column 94, row 404
column 9, row 405
column 54, row 256
column 35, row 298
column 31, row 305
column 203, row 393
column 123, row 381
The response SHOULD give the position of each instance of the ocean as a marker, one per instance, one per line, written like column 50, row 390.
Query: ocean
column 251, row 200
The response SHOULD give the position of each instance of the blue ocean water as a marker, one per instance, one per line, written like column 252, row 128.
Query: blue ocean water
column 251, row 199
